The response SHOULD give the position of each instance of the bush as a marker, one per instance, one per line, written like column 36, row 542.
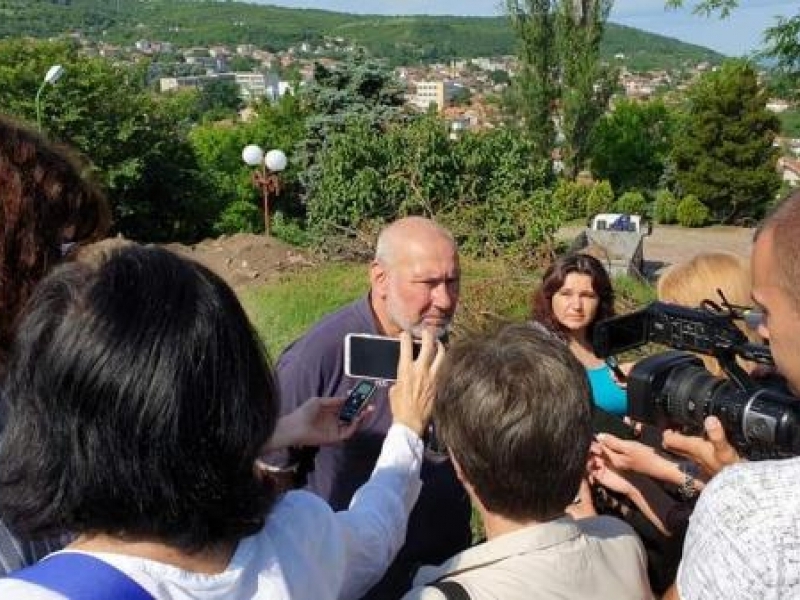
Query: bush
column 600, row 199
column 691, row 212
column 571, row 197
column 665, row 207
column 289, row 230
column 239, row 216
column 632, row 203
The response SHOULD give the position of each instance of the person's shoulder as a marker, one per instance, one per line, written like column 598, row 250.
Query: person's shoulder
column 751, row 483
column 16, row 589
column 299, row 514
column 331, row 329
column 605, row 526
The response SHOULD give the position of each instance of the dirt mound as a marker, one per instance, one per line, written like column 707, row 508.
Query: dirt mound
column 245, row 259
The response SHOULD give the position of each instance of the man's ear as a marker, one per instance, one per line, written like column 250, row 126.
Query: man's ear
column 378, row 278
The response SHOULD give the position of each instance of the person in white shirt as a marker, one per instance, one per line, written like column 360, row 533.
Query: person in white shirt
column 743, row 540
column 139, row 398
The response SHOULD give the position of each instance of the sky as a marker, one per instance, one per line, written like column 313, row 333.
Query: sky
column 737, row 35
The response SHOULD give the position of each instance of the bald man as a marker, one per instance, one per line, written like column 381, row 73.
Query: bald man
column 414, row 284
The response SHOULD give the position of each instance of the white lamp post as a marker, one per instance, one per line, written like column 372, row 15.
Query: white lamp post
column 267, row 176
column 52, row 76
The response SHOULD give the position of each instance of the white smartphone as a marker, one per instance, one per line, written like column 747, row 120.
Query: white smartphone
column 375, row 357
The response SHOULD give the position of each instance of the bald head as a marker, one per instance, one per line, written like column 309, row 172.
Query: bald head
column 407, row 232
column 414, row 277
column 783, row 224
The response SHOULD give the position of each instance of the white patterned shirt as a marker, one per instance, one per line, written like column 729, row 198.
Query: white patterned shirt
column 744, row 535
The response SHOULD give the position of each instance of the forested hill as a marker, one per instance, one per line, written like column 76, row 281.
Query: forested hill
column 401, row 39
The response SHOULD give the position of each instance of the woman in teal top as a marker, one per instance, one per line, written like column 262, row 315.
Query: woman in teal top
column 576, row 293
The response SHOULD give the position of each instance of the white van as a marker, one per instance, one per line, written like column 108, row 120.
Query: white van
column 620, row 222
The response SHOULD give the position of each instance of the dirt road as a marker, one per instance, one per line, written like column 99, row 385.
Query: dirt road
column 669, row 243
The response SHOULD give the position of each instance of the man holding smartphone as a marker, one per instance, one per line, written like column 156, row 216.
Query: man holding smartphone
column 414, row 285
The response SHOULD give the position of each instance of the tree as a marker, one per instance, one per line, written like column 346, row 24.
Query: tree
column 139, row 148
column 723, row 153
column 586, row 85
column 219, row 99
column 535, row 88
column 629, row 146
column 560, row 74
column 782, row 40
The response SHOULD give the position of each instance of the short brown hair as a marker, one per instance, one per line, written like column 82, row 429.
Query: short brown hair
column 784, row 224
column 514, row 408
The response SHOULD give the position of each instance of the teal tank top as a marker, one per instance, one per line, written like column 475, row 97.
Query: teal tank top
column 605, row 391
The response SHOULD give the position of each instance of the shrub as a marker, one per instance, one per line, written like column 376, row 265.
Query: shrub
column 239, row 216
column 633, row 203
column 665, row 207
column 571, row 197
column 691, row 212
column 600, row 199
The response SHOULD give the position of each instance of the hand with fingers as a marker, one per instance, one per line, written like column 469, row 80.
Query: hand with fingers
column 630, row 455
column 411, row 398
column 710, row 453
column 314, row 423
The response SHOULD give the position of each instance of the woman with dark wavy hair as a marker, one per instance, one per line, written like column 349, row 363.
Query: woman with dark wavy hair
column 576, row 293
column 139, row 398
column 47, row 203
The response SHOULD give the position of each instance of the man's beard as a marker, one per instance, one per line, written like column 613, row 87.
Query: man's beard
column 416, row 329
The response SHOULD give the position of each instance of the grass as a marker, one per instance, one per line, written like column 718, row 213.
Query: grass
column 490, row 291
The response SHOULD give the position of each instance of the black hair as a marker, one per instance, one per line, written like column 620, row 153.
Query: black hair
column 138, row 399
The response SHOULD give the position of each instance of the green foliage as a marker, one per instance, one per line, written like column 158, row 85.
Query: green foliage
column 138, row 146
column 790, row 123
column 401, row 40
column 723, row 151
column 586, row 84
column 240, row 216
column 282, row 311
column 629, row 146
column 483, row 185
column 219, row 99
column 691, row 212
column 633, row 203
column 289, row 230
column 600, row 198
column 571, row 197
column 665, row 207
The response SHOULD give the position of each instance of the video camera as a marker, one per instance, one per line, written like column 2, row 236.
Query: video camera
column 674, row 389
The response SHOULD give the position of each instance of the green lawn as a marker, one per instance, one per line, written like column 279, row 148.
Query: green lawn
column 490, row 290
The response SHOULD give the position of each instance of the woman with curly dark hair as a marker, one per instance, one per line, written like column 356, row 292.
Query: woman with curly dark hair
column 576, row 293
column 47, row 204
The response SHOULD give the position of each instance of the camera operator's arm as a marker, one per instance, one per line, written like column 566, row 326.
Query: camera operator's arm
column 711, row 453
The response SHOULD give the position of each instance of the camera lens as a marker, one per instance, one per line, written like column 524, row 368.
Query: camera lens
column 688, row 392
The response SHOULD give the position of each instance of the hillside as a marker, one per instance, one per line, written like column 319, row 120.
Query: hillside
column 400, row 39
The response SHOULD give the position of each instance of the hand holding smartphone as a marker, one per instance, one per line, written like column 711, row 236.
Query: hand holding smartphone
column 373, row 357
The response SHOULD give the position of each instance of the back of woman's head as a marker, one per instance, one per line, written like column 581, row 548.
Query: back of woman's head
column 138, row 398
column 702, row 277
column 555, row 277
column 45, row 199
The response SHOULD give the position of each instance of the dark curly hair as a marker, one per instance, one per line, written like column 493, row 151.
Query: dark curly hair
column 553, row 280
column 44, row 191
column 138, row 397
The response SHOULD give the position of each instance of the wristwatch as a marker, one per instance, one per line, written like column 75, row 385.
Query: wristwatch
column 688, row 490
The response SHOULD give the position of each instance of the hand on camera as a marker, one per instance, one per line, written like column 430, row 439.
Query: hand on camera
column 411, row 398
column 315, row 423
column 711, row 453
